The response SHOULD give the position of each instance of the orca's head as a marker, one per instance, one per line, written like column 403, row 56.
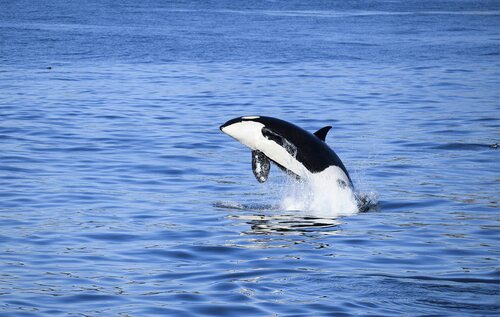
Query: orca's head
column 247, row 130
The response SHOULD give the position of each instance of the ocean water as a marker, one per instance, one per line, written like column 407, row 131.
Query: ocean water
column 119, row 196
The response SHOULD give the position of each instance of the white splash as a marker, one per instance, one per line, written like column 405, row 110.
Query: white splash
column 320, row 195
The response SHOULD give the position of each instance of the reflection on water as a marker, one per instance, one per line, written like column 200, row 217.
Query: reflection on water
column 269, row 219
column 287, row 224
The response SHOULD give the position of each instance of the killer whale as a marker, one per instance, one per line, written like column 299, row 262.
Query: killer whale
column 296, row 151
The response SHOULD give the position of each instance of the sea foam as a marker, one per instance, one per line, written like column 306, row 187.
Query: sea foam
column 320, row 195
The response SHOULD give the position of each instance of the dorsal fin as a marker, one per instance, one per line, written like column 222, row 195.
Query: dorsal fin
column 321, row 133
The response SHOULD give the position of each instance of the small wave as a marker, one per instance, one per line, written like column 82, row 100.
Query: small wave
column 244, row 206
column 465, row 146
column 440, row 279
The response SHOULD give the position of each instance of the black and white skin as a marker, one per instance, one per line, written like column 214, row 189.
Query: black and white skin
column 296, row 151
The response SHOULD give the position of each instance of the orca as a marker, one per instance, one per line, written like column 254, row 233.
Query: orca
column 299, row 153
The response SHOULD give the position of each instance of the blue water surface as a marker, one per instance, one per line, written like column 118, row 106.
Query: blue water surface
column 119, row 196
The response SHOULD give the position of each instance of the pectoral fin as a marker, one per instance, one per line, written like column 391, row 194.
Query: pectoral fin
column 260, row 166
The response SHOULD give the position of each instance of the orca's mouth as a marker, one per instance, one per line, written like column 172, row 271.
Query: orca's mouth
column 228, row 123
